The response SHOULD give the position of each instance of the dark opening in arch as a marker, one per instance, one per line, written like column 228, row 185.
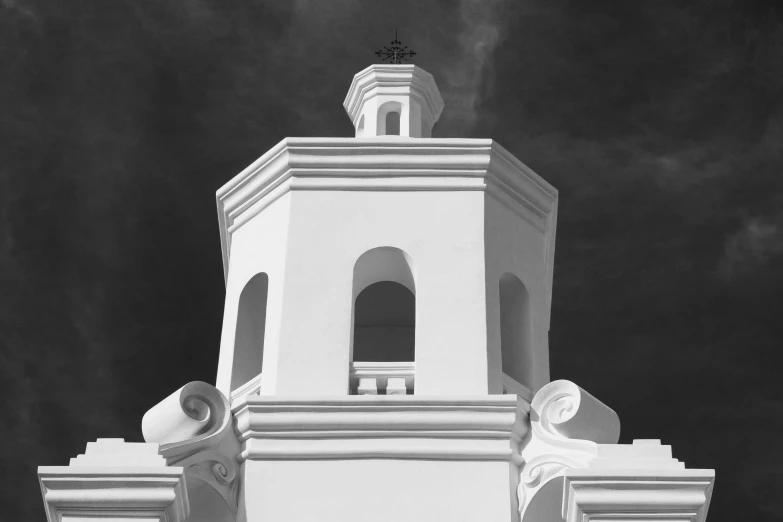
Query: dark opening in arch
column 251, row 327
column 384, row 323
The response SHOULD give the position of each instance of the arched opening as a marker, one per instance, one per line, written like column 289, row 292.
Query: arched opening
column 251, row 325
column 360, row 128
column 388, row 121
column 515, row 334
column 392, row 123
column 384, row 323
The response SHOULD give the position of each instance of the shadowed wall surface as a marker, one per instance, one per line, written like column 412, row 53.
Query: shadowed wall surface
column 661, row 124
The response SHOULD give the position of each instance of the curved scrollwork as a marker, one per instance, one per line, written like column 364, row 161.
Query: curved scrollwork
column 566, row 412
column 193, row 418
column 567, row 424
column 194, row 429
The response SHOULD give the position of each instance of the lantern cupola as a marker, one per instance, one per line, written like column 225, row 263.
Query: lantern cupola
column 393, row 100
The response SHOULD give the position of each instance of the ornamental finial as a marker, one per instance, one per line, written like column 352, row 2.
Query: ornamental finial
column 397, row 52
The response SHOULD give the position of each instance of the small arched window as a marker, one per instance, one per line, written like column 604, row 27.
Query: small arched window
column 251, row 326
column 392, row 123
column 388, row 121
column 384, row 307
column 384, row 323
column 515, row 334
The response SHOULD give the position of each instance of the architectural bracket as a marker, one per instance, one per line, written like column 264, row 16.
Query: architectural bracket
column 194, row 428
column 575, row 471
column 567, row 424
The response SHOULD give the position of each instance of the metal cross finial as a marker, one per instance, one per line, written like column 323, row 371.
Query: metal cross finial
column 397, row 52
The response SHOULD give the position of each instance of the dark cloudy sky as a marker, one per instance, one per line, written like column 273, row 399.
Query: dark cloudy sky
column 660, row 122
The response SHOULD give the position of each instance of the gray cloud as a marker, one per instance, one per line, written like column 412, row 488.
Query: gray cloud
column 752, row 247
column 469, row 72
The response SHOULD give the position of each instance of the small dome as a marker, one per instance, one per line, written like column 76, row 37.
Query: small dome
column 393, row 100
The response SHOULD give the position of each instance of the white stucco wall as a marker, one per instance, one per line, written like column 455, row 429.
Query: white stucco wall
column 514, row 245
column 258, row 246
column 379, row 490
column 442, row 234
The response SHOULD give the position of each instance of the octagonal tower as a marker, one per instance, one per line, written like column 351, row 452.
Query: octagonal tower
column 385, row 329
column 461, row 224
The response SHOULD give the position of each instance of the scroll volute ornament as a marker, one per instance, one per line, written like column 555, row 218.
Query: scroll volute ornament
column 194, row 428
column 567, row 424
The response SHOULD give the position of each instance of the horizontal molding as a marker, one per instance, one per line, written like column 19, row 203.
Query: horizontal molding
column 385, row 164
column 402, row 368
column 396, row 426
column 637, row 494
column 120, row 491
column 379, row 448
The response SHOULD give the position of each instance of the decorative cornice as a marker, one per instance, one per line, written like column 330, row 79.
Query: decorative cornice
column 393, row 78
column 662, row 495
column 386, row 164
column 115, row 479
column 396, row 426
column 194, row 427
column 129, row 492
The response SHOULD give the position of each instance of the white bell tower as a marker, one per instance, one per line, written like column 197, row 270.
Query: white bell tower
column 462, row 225
column 384, row 353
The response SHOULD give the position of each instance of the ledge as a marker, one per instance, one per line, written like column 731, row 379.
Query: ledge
column 128, row 491
column 488, row 428
column 387, row 164
column 634, row 494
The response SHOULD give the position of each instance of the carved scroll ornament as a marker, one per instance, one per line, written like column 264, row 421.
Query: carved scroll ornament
column 194, row 429
column 567, row 424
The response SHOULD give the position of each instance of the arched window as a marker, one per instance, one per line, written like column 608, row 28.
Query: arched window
column 392, row 123
column 251, row 325
column 384, row 323
column 388, row 122
column 384, row 311
column 515, row 335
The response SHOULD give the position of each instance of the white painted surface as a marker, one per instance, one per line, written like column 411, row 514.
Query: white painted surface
column 575, row 471
column 114, row 480
column 380, row 490
column 406, row 90
column 447, row 436
column 461, row 213
column 631, row 495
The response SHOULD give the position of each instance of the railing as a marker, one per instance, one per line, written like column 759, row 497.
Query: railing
column 251, row 387
column 385, row 378
column 512, row 386
column 382, row 378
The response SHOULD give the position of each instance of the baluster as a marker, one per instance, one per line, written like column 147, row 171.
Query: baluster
column 396, row 386
column 368, row 386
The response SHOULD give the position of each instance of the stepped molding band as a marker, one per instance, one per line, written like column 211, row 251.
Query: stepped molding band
column 392, row 426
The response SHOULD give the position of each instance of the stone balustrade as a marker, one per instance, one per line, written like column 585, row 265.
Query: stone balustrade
column 382, row 378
